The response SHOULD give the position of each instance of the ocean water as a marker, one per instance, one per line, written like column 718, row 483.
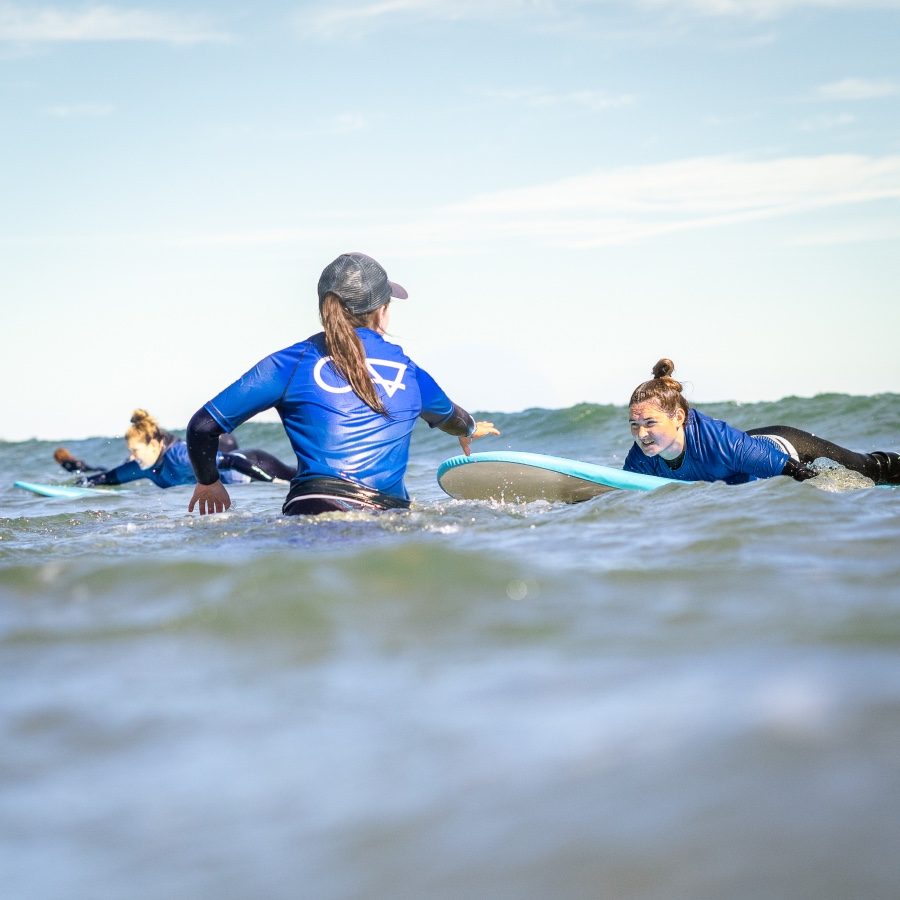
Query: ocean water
column 693, row 693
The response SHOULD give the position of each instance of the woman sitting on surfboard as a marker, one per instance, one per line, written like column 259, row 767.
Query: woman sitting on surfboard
column 348, row 399
column 674, row 441
column 163, row 458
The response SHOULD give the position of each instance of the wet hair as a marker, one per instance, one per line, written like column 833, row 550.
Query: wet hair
column 144, row 427
column 346, row 349
column 662, row 390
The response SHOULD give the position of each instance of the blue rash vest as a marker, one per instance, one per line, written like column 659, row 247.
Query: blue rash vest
column 332, row 432
column 173, row 468
column 714, row 451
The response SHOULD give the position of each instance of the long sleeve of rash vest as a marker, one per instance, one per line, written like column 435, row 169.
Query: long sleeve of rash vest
column 203, row 443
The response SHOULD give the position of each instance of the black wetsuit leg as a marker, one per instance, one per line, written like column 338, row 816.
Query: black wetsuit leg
column 258, row 465
column 882, row 467
column 227, row 443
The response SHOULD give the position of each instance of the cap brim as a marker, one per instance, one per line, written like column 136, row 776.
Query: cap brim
column 398, row 291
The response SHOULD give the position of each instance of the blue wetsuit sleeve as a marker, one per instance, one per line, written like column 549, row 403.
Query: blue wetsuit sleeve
column 439, row 411
column 262, row 387
column 129, row 471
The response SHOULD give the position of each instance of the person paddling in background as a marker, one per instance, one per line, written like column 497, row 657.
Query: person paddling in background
column 71, row 463
column 163, row 458
column 348, row 399
column 674, row 441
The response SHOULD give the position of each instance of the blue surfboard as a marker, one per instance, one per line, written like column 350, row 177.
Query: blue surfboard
column 511, row 476
column 67, row 490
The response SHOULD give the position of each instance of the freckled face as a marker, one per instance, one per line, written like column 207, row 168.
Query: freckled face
column 656, row 432
column 145, row 454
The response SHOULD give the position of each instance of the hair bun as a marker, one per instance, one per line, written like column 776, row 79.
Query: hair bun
column 139, row 415
column 663, row 368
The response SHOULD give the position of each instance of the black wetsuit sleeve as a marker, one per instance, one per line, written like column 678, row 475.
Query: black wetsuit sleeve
column 459, row 423
column 798, row 471
column 77, row 466
column 203, row 443
column 109, row 477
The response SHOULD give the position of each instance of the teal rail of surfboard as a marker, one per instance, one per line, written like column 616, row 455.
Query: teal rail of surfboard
column 68, row 491
column 520, row 476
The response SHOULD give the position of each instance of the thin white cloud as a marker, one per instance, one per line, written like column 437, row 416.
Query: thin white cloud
column 595, row 101
column 866, row 232
column 30, row 24
column 706, row 185
column 336, row 19
column 616, row 206
column 849, row 89
column 348, row 123
column 826, row 123
column 764, row 9
column 80, row 110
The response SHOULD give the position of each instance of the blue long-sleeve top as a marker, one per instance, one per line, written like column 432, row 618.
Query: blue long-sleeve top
column 171, row 469
column 332, row 431
column 714, row 451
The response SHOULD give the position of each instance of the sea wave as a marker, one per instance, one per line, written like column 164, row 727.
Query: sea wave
column 642, row 696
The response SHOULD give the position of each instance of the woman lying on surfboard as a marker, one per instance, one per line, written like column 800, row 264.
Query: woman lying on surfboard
column 163, row 458
column 674, row 441
column 71, row 463
column 348, row 399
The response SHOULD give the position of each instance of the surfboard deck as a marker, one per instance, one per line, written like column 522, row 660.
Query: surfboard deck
column 514, row 477
column 67, row 490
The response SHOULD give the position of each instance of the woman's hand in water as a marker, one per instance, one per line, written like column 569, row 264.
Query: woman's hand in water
column 481, row 430
column 213, row 498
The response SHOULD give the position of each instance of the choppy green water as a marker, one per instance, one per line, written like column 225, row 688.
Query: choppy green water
column 693, row 693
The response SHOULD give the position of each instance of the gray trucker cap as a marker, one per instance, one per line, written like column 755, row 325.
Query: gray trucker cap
column 360, row 282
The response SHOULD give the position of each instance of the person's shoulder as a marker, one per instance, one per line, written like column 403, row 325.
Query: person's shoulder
column 378, row 343
column 719, row 425
column 314, row 345
column 702, row 420
column 313, row 342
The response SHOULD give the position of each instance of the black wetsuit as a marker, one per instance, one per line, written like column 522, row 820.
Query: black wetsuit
column 881, row 466
column 77, row 466
column 256, row 464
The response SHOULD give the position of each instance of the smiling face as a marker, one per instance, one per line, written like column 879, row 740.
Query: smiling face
column 657, row 432
column 144, row 453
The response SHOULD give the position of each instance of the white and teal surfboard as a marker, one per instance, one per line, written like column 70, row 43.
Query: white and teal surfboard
column 513, row 477
column 69, row 491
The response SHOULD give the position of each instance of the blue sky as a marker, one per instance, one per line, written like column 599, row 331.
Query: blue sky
column 568, row 190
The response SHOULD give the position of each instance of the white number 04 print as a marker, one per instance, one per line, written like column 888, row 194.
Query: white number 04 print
column 390, row 386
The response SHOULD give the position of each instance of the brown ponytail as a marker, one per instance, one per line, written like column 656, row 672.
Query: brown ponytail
column 662, row 390
column 346, row 349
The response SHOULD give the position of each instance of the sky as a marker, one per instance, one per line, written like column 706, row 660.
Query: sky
column 568, row 190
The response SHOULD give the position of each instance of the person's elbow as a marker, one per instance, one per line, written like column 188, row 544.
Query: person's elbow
column 202, row 424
